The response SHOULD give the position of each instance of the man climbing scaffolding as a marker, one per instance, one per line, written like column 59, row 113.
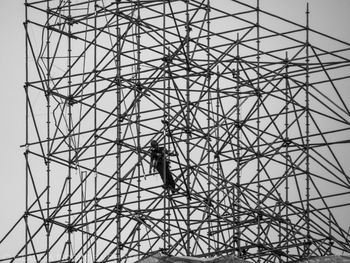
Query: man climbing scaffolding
column 161, row 164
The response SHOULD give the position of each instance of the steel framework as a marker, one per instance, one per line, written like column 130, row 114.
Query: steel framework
column 254, row 105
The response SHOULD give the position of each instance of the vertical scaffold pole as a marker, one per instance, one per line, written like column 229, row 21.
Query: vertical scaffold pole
column 166, row 118
column 217, row 156
column 26, row 151
column 164, row 133
column 307, row 219
column 138, row 130
column 95, row 132
column 238, row 162
column 208, row 78
column 330, row 233
column 188, row 129
column 258, row 93
column 119, row 122
column 47, row 161
column 70, row 120
column 286, row 142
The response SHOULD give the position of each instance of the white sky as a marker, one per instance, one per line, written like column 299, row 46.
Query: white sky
column 329, row 16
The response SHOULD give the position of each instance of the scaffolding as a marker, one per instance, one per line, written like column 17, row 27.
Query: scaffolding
column 254, row 108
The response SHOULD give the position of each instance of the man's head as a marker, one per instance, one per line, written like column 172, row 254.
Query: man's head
column 154, row 144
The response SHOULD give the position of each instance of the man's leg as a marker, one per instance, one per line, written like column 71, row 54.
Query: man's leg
column 169, row 179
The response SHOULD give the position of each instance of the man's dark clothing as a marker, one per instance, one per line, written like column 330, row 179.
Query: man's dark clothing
column 158, row 160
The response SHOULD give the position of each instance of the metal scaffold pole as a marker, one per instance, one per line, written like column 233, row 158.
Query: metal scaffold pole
column 26, row 150
column 307, row 133
column 48, row 123
column 238, row 158
column 119, row 137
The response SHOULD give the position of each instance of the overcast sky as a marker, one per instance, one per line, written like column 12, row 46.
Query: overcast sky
column 329, row 16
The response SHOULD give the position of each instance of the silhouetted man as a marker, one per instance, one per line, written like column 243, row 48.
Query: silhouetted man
column 159, row 162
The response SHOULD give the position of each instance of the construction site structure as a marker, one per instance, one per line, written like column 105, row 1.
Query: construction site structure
column 251, row 111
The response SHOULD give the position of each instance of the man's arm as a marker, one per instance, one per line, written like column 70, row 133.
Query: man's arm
column 152, row 162
column 151, row 165
column 170, row 153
